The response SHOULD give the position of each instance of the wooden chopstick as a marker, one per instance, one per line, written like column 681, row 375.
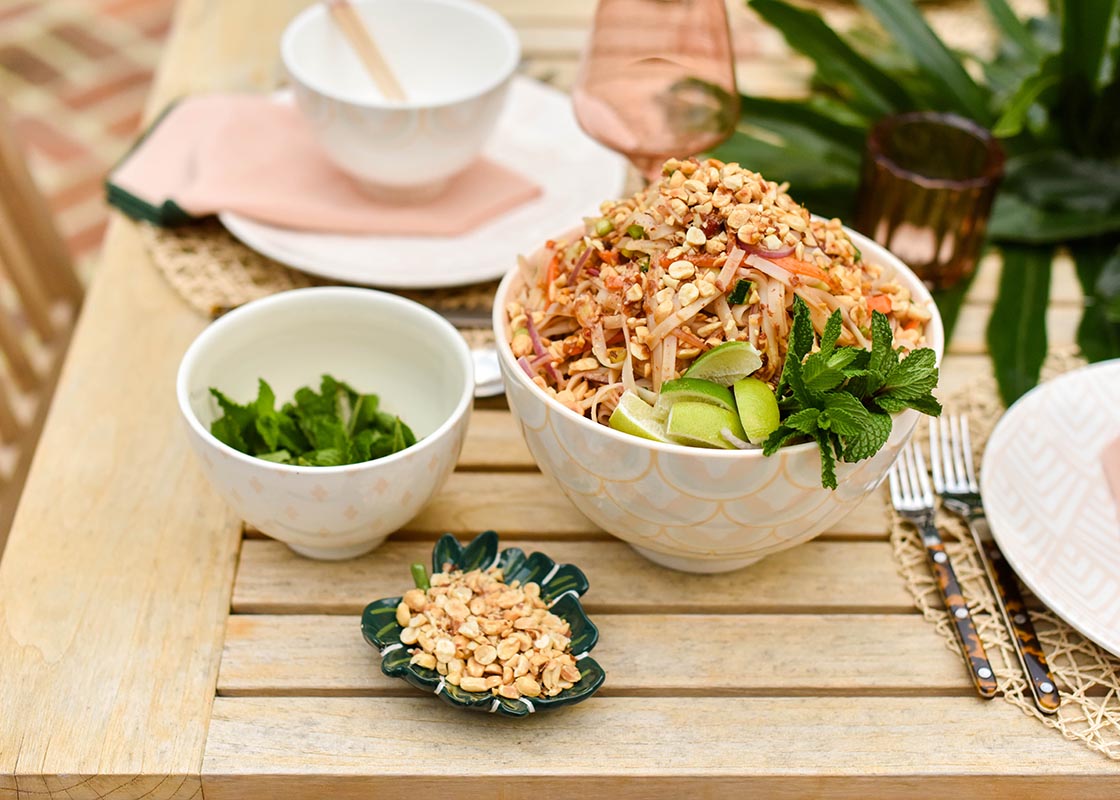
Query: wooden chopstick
column 354, row 29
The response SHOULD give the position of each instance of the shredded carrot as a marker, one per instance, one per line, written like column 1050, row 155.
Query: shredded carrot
column 609, row 257
column 798, row 267
column 911, row 324
column 879, row 302
column 553, row 267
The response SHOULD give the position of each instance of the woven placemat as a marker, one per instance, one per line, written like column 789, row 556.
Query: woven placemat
column 1088, row 676
column 213, row 273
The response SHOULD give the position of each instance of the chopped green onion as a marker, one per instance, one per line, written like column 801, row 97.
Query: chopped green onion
column 603, row 227
column 859, row 255
column 739, row 293
column 636, row 232
column 520, row 332
column 420, row 576
column 643, row 264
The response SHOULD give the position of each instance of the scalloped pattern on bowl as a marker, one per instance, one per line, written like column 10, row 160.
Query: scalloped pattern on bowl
column 689, row 508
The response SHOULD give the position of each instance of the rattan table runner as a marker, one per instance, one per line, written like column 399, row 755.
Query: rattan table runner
column 1088, row 676
column 214, row 272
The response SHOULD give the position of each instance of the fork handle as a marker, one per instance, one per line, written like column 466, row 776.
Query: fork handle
column 980, row 668
column 1017, row 618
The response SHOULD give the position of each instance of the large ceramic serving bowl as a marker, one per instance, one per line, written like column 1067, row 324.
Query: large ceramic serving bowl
column 408, row 355
column 454, row 60
column 688, row 508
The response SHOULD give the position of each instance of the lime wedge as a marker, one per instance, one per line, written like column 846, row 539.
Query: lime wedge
column 758, row 409
column 701, row 425
column 692, row 390
column 637, row 417
column 726, row 363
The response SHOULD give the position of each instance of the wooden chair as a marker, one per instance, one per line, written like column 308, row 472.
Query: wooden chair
column 39, row 300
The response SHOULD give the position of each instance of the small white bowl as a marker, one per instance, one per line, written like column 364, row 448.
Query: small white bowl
column 408, row 355
column 453, row 58
column 690, row 508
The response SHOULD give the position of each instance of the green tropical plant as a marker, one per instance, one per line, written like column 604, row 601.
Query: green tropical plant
column 1052, row 95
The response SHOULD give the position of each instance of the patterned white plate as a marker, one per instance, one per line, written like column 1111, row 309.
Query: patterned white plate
column 1049, row 504
column 536, row 135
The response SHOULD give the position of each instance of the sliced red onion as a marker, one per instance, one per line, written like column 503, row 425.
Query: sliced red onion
column 540, row 361
column 586, row 254
column 735, row 440
column 762, row 251
column 523, row 362
column 538, row 345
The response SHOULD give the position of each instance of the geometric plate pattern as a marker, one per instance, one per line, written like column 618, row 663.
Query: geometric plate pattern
column 1049, row 503
column 1087, row 674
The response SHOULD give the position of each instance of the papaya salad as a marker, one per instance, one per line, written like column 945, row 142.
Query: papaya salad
column 710, row 309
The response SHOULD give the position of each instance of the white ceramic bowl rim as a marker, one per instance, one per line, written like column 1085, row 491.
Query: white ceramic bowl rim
column 214, row 330
column 506, row 354
column 496, row 20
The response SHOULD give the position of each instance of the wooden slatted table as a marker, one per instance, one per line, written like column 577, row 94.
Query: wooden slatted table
column 148, row 649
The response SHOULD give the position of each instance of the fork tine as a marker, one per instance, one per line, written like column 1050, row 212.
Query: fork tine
column 969, row 458
column 923, row 476
column 912, row 474
column 892, row 476
column 947, row 453
column 903, row 476
column 935, row 454
column 958, row 451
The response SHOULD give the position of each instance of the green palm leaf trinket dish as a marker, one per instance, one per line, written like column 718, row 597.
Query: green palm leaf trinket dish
column 561, row 586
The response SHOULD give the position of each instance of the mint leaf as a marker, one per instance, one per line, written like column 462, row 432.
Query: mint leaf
column 227, row 431
column 804, row 421
column 883, row 356
column 278, row 457
column 819, row 376
column 364, row 414
column 801, row 333
column 831, row 333
column 870, row 438
column 327, row 457
column 845, row 414
column 915, row 376
column 778, row 439
column 925, row 405
column 828, row 461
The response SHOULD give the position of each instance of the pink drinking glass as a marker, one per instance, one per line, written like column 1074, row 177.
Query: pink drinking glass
column 657, row 80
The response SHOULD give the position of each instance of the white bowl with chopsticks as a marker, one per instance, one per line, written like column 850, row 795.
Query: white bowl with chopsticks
column 690, row 508
column 454, row 60
column 413, row 359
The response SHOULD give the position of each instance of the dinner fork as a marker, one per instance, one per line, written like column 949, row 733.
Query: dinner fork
column 912, row 497
column 954, row 477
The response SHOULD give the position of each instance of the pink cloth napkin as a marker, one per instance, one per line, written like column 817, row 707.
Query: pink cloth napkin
column 258, row 157
column 1110, row 461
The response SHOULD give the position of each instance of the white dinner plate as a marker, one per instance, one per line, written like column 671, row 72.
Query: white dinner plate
column 1048, row 501
column 538, row 136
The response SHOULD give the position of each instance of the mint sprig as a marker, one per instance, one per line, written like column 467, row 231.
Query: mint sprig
column 334, row 426
column 843, row 397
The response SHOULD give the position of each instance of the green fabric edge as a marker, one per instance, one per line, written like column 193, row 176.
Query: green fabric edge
column 167, row 214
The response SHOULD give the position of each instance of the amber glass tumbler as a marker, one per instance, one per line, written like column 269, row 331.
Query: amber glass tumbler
column 926, row 192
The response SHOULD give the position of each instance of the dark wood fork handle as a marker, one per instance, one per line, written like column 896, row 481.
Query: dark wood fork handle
column 983, row 677
column 1018, row 621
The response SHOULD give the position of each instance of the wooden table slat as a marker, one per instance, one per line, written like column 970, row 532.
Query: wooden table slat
column 648, row 654
column 779, row 747
column 815, row 577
